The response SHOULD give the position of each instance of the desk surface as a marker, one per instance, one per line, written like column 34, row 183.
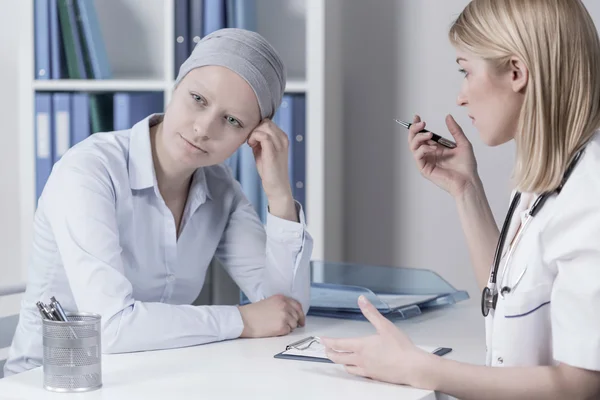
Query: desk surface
column 245, row 368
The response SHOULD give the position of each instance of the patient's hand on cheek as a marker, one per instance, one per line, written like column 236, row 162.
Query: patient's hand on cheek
column 275, row 316
column 270, row 146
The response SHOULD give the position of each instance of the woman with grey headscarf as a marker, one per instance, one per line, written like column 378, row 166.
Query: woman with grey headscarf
column 129, row 221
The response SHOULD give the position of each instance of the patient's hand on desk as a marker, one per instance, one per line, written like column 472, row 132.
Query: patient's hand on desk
column 388, row 356
column 275, row 316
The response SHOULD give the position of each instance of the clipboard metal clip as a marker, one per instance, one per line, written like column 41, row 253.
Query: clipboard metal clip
column 303, row 344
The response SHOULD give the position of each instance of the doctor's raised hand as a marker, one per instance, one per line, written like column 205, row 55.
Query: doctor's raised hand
column 454, row 170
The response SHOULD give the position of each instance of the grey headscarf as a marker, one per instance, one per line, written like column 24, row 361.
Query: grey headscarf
column 250, row 56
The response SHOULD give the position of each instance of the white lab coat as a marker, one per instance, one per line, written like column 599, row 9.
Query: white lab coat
column 553, row 315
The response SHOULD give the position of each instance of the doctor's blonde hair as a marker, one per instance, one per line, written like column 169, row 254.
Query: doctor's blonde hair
column 558, row 43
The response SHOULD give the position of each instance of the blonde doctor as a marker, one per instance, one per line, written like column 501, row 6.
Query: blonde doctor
column 531, row 75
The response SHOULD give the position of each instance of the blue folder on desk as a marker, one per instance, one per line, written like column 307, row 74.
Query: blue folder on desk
column 397, row 292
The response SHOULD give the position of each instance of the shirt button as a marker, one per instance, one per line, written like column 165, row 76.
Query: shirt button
column 297, row 235
column 170, row 278
column 500, row 360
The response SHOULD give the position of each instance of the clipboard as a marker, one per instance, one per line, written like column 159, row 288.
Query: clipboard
column 311, row 349
column 302, row 350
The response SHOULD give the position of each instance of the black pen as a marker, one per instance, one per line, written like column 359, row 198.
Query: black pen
column 435, row 137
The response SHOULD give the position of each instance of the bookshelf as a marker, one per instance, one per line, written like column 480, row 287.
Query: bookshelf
column 140, row 42
column 127, row 85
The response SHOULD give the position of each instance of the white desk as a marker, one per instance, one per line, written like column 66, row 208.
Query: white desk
column 245, row 368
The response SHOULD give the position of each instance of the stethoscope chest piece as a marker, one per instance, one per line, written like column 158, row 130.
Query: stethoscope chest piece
column 488, row 301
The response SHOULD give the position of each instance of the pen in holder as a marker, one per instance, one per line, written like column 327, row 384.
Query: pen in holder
column 72, row 359
column 58, row 309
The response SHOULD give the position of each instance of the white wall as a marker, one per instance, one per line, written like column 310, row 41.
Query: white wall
column 398, row 62
column 10, row 263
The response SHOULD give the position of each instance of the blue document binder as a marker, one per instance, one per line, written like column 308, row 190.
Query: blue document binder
column 397, row 292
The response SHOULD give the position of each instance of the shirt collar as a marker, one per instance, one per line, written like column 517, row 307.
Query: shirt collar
column 199, row 191
column 141, row 166
column 142, row 174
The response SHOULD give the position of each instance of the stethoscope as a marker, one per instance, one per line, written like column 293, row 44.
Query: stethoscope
column 489, row 296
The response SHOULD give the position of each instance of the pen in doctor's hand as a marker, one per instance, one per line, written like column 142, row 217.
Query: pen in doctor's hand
column 435, row 137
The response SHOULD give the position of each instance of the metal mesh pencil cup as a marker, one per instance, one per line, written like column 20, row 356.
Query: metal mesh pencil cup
column 72, row 353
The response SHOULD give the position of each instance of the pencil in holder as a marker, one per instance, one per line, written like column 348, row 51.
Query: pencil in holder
column 72, row 359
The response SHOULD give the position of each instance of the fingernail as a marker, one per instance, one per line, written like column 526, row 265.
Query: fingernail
column 362, row 300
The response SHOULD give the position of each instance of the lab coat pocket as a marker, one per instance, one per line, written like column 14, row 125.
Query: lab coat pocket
column 526, row 326
column 522, row 303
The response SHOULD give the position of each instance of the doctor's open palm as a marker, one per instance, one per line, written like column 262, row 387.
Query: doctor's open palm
column 451, row 169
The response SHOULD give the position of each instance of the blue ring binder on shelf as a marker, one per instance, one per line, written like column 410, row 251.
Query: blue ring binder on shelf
column 397, row 292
